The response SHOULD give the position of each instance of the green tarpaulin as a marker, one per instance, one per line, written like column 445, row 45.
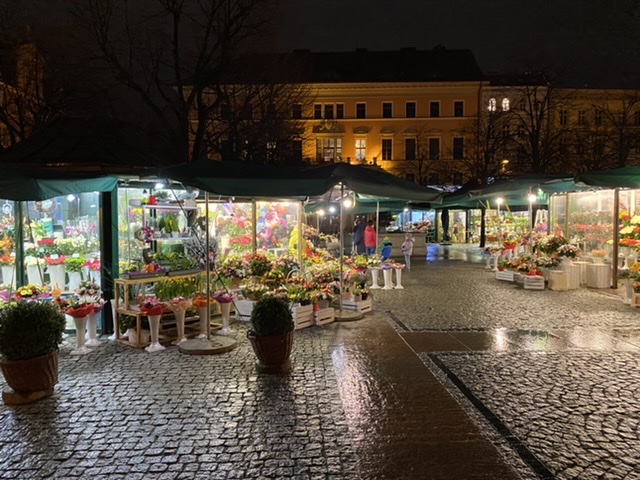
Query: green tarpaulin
column 624, row 177
column 22, row 188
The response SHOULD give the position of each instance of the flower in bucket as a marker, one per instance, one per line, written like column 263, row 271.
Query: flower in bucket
column 568, row 250
column 201, row 300
column 7, row 260
column 224, row 296
column 93, row 265
column 90, row 293
column 74, row 264
column 54, row 260
column 233, row 266
column 259, row 264
column 598, row 253
column 151, row 306
column 28, row 292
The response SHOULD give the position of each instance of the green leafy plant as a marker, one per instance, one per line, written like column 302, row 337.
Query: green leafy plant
column 271, row 316
column 74, row 264
column 129, row 321
column 30, row 329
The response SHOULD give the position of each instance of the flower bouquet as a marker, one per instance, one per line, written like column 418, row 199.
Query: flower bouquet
column 28, row 292
column 258, row 263
column 224, row 296
column 90, row 293
column 7, row 260
column 54, row 260
column 78, row 309
column 74, row 264
column 568, row 251
column 151, row 306
column 598, row 253
column 233, row 266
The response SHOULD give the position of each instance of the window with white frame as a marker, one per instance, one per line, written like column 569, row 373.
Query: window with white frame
column 492, row 105
column 505, row 105
column 410, row 110
column 329, row 149
column 387, row 110
column 434, row 109
column 361, row 149
column 387, row 149
column 458, row 108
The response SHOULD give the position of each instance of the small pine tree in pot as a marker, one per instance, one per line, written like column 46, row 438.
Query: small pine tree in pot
column 271, row 334
column 30, row 333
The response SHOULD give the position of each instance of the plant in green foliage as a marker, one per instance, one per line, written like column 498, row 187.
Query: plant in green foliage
column 30, row 329
column 74, row 264
column 271, row 316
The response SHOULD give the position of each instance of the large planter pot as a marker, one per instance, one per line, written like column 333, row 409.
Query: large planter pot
column 37, row 374
column 57, row 276
column 9, row 275
column 273, row 352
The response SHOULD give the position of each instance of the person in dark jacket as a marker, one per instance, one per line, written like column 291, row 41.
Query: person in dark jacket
column 358, row 237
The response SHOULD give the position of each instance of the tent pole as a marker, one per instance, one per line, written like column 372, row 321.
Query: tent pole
column 341, row 242
column 377, row 224
column 207, row 261
column 615, row 235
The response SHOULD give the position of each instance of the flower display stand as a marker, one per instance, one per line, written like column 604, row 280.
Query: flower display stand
column 303, row 316
column 225, row 309
column 506, row 275
column 74, row 280
column 9, row 275
column 374, row 277
column 57, row 276
column 363, row 306
column 533, row 282
column 398, row 271
column 388, row 284
column 154, row 325
column 324, row 316
column 92, row 330
column 34, row 275
column 81, row 348
column 180, row 314
column 203, row 315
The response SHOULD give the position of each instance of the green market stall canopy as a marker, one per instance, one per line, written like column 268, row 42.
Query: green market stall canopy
column 624, row 177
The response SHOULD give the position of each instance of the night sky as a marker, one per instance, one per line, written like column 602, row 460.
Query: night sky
column 590, row 42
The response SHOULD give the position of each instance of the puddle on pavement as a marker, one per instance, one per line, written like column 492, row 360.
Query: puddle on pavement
column 511, row 340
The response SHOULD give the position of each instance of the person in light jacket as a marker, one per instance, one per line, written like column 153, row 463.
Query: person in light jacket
column 370, row 238
column 407, row 249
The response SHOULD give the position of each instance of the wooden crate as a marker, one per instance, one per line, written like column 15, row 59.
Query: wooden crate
column 533, row 282
column 506, row 275
column 303, row 316
column 324, row 316
column 363, row 306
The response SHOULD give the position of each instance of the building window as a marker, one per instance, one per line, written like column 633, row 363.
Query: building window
column 505, row 104
column 387, row 110
column 340, row 110
column 564, row 117
column 361, row 149
column 387, row 150
column 492, row 105
column 361, row 110
column 520, row 131
column 410, row 148
column 329, row 149
column 458, row 148
column 458, row 109
column 434, row 109
column 506, row 131
column 296, row 111
column 317, row 111
column 434, row 149
column 598, row 117
column 582, row 117
column 410, row 111
column 328, row 112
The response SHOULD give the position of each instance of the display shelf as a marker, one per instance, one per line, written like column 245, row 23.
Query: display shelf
column 168, row 328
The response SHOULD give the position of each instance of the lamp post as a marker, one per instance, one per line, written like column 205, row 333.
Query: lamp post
column 532, row 199
column 499, row 201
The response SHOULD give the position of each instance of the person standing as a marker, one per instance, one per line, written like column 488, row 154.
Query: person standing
column 370, row 238
column 407, row 249
column 358, row 237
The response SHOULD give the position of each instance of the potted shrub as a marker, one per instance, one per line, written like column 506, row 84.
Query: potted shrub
column 30, row 333
column 271, row 334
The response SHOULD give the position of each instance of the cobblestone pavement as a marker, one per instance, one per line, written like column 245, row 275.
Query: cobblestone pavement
column 570, row 409
column 563, row 403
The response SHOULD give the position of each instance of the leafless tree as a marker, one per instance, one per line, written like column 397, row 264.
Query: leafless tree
column 181, row 58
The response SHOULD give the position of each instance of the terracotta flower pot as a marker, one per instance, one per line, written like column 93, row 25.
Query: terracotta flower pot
column 35, row 374
column 273, row 352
